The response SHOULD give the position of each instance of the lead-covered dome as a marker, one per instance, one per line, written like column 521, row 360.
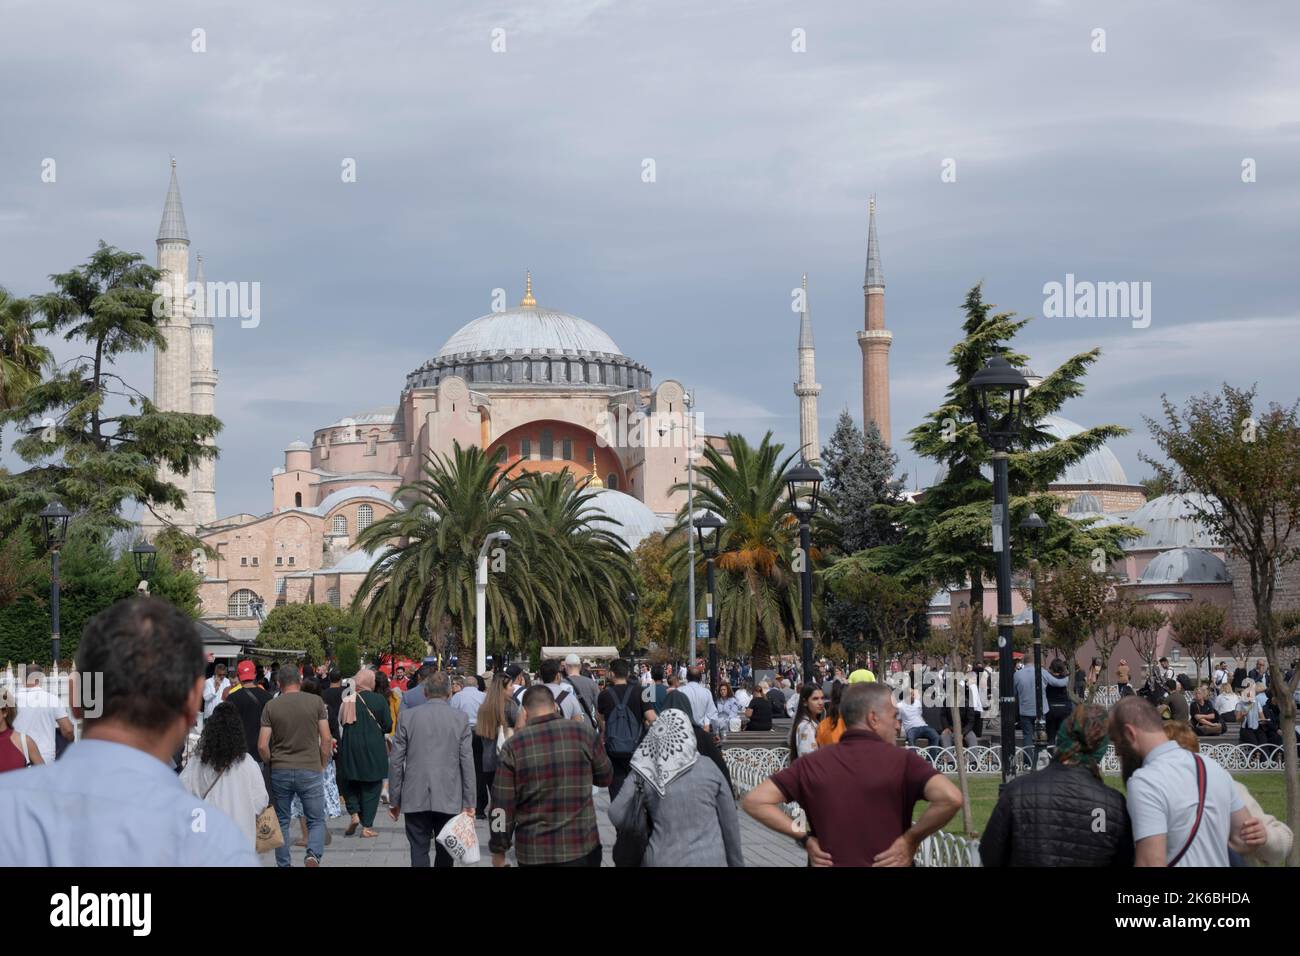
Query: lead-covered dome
column 1185, row 566
column 532, row 346
column 1170, row 521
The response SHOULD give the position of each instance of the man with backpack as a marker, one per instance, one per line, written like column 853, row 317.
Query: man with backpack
column 623, row 717
column 566, row 697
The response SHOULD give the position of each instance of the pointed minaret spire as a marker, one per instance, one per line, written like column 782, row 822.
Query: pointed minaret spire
column 807, row 389
column 805, row 322
column 528, row 302
column 875, row 278
column 172, row 228
column 201, row 316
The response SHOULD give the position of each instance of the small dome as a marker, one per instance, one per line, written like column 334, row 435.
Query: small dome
column 1170, row 522
column 636, row 521
column 298, row 446
column 1185, row 566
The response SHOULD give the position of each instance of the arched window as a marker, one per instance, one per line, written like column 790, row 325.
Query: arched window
column 240, row 604
column 525, row 448
column 548, row 445
column 612, row 482
column 340, row 524
column 332, row 597
column 567, row 449
column 297, row 499
column 365, row 518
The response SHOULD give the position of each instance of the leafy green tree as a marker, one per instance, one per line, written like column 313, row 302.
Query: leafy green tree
column 22, row 358
column 888, row 605
column 946, row 534
column 348, row 659
column 653, row 588
column 1198, row 628
column 1071, row 600
column 757, row 601
column 1144, row 625
column 96, row 457
column 1247, row 461
column 315, row 629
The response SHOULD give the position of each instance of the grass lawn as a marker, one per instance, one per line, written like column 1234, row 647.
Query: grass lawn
column 1268, row 788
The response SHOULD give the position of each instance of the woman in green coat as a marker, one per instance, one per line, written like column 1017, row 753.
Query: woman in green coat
column 364, row 719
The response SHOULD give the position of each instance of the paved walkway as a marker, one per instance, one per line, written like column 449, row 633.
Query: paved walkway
column 760, row 845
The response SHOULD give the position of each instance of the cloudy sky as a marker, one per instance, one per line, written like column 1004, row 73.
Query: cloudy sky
column 474, row 165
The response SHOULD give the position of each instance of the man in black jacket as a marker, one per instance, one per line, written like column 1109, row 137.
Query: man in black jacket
column 1064, row 815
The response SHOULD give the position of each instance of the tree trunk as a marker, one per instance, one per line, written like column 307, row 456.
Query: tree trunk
column 977, row 615
column 762, row 653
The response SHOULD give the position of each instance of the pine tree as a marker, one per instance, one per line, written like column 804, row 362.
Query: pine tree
column 946, row 535
column 91, row 456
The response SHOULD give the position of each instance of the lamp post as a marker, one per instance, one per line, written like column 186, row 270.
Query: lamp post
column 633, row 599
column 997, row 399
column 480, row 600
column 803, row 482
column 145, row 557
column 1034, row 526
column 709, row 529
column 54, row 520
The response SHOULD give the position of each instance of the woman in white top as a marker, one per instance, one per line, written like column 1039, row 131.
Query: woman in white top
column 1226, row 702
column 808, row 713
column 222, row 773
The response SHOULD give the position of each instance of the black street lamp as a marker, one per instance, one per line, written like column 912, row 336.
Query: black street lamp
column 997, row 399
column 145, row 557
column 54, row 519
column 709, row 529
column 803, row 483
column 633, row 599
column 1033, row 526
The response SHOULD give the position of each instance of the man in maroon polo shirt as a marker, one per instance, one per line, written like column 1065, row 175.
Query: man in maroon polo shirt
column 859, row 794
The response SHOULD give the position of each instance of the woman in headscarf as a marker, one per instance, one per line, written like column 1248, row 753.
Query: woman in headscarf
column 691, row 807
column 1064, row 814
column 704, row 745
column 364, row 719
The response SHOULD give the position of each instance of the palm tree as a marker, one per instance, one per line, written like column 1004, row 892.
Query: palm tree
column 21, row 359
column 425, row 578
column 582, row 568
column 757, row 596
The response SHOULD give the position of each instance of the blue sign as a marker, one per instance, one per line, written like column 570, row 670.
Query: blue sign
column 702, row 629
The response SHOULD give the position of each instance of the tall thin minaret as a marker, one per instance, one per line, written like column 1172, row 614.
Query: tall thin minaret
column 203, row 389
column 171, row 366
column 806, row 388
column 875, row 340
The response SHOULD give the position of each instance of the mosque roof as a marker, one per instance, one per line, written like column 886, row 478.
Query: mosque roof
column 528, row 328
column 336, row 498
column 636, row 521
column 1185, row 566
column 1170, row 522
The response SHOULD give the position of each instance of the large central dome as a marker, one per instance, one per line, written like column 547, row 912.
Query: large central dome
column 528, row 330
column 529, row 346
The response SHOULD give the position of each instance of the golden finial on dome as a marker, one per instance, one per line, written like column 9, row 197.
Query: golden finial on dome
column 528, row 302
column 594, row 481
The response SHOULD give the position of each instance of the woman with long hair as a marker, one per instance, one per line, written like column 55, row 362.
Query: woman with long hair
column 728, row 709
column 364, row 720
column 223, row 773
column 759, row 710
column 808, row 713
column 831, row 728
column 495, row 723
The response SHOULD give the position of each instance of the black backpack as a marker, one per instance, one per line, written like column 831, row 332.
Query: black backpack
column 622, row 727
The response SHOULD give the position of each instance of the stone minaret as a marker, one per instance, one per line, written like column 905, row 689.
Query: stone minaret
column 203, row 388
column 807, row 388
column 172, row 366
column 875, row 340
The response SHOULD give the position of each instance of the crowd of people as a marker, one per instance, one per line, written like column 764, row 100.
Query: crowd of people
column 282, row 750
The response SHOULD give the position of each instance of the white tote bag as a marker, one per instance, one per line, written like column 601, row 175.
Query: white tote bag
column 459, row 838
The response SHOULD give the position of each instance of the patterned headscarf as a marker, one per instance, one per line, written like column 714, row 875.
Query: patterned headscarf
column 667, row 751
column 364, row 680
column 1082, row 739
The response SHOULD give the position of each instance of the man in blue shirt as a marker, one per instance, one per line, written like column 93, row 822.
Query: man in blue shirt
column 113, row 799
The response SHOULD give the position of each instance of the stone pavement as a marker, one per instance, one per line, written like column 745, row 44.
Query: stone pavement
column 760, row 845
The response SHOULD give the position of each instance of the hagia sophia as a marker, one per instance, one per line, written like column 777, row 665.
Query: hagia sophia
column 555, row 391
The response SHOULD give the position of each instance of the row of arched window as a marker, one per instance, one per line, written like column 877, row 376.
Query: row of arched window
column 365, row 518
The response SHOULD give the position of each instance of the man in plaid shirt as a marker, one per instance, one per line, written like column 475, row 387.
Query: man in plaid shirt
column 541, row 795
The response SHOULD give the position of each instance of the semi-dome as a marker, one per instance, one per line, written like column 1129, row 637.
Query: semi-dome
column 1085, row 504
column 636, row 521
column 1170, row 522
column 1185, row 566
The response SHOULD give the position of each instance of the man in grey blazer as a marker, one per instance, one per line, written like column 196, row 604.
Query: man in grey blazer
column 431, row 770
